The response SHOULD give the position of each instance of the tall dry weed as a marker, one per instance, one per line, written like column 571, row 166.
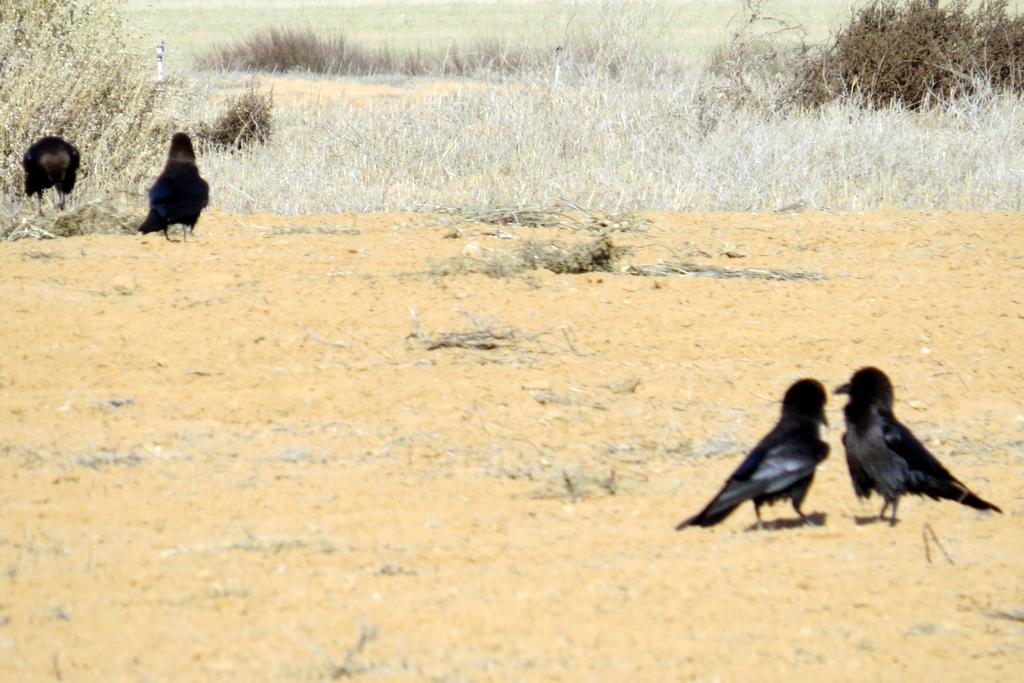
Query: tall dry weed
column 609, row 144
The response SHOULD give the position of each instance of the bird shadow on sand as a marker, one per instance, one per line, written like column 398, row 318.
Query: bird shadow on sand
column 815, row 519
column 865, row 520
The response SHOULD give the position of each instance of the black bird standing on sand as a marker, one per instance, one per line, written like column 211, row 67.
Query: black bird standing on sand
column 50, row 162
column 179, row 194
column 781, row 465
column 884, row 456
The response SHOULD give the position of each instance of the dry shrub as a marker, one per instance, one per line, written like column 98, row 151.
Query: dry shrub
column 915, row 52
column 64, row 71
column 1001, row 41
column 756, row 71
column 754, row 76
column 247, row 118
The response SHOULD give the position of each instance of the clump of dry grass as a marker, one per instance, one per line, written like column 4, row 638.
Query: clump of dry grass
column 583, row 257
column 247, row 118
column 588, row 256
column 64, row 70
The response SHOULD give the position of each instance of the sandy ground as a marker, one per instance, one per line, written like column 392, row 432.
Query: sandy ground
column 227, row 459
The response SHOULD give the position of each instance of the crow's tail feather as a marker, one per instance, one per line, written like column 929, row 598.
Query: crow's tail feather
column 153, row 223
column 709, row 516
column 977, row 503
column 955, row 491
column 728, row 499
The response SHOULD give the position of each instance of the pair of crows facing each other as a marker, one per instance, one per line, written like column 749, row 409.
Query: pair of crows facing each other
column 176, row 198
column 883, row 456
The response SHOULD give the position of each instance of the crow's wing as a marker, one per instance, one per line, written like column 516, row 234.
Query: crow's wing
column 161, row 196
column 777, row 463
column 903, row 443
column 784, row 448
column 753, row 460
column 927, row 476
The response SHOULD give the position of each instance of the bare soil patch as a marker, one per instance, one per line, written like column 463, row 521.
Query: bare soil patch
column 236, row 459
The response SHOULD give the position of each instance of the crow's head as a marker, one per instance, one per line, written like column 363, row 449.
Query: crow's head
column 806, row 397
column 181, row 149
column 868, row 386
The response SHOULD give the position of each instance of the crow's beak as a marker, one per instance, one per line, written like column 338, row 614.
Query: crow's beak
column 845, row 389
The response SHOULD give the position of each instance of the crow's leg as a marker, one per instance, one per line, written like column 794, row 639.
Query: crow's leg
column 757, row 511
column 895, row 502
column 885, row 506
column 806, row 520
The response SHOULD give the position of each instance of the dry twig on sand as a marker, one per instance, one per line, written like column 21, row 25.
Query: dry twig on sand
column 578, row 218
column 484, row 338
column 534, row 218
column 662, row 268
column 927, row 531
column 310, row 334
column 347, row 668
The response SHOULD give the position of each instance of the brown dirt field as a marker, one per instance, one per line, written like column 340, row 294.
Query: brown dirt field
column 222, row 459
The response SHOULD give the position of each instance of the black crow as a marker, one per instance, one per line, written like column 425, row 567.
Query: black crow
column 781, row 465
column 884, row 456
column 50, row 162
column 179, row 194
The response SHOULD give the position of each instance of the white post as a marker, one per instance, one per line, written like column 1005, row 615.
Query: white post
column 558, row 67
column 160, row 61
